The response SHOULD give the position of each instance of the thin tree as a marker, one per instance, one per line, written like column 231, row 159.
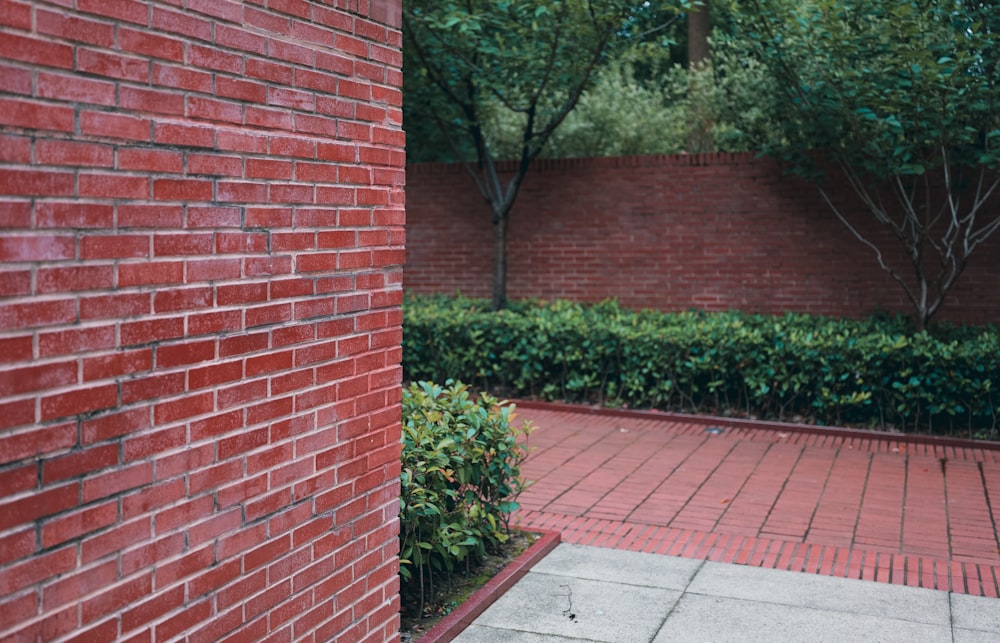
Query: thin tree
column 902, row 98
column 534, row 58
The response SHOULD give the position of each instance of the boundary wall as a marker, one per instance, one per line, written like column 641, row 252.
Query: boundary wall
column 713, row 232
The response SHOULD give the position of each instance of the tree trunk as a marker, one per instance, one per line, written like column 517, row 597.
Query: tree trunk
column 699, row 29
column 500, row 260
column 699, row 140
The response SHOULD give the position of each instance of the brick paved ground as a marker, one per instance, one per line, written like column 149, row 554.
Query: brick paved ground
column 884, row 509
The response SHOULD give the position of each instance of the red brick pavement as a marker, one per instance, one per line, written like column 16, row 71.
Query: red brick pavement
column 881, row 508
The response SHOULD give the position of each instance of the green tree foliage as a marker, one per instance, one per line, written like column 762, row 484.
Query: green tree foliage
column 613, row 118
column 640, row 105
column 903, row 98
column 647, row 99
column 532, row 58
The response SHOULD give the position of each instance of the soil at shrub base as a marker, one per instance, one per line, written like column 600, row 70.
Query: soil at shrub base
column 446, row 599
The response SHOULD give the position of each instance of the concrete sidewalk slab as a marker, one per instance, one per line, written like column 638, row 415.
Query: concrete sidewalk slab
column 625, row 567
column 975, row 612
column 822, row 592
column 580, row 608
column 581, row 593
column 726, row 620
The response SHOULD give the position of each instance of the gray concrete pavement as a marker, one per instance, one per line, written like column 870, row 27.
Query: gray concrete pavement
column 580, row 593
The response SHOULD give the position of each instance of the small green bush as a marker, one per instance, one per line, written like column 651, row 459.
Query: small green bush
column 877, row 373
column 460, row 478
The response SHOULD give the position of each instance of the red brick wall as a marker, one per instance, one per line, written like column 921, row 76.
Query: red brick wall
column 201, row 237
column 715, row 232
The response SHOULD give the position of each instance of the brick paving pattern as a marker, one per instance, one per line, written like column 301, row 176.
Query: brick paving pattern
column 876, row 508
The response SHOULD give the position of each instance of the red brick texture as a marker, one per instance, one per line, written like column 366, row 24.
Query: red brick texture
column 201, row 248
column 713, row 232
column 907, row 510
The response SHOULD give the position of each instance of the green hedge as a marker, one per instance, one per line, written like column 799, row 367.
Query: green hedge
column 460, row 479
column 876, row 373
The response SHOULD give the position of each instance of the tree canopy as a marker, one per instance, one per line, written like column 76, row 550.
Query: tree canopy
column 529, row 57
column 892, row 88
column 644, row 97
column 903, row 98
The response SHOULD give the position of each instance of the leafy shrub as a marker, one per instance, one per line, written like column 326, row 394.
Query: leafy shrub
column 460, row 477
column 876, row 373
column 622, row 113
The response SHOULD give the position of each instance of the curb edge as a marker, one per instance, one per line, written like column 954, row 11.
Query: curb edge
column 452, row 625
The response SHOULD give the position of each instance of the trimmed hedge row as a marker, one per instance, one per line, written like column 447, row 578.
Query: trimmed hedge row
column 875, row 373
